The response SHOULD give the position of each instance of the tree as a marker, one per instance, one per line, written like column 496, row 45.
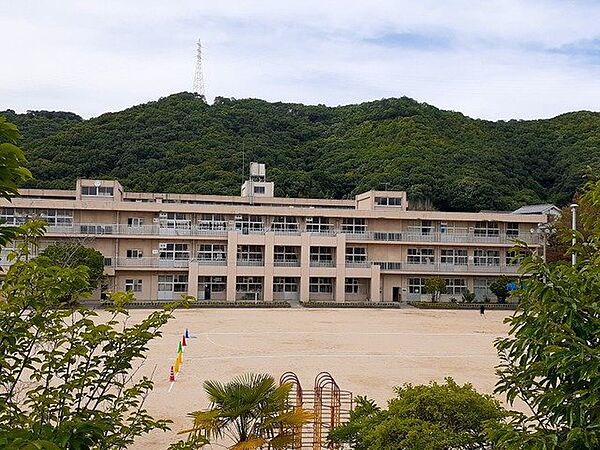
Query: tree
column 436, row 286
column 251, row 411
column 499, row 287
column 65, row 378
column 426, row 417
column 12, row 170
column 551, row 358
column 73, row 254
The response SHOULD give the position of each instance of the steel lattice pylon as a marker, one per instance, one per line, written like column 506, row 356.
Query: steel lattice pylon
column 329, row 405
column 198, row 74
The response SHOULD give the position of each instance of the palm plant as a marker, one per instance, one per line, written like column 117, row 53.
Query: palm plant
column 251, row 411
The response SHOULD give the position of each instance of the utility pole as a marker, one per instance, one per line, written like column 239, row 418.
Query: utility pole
column 574, row 207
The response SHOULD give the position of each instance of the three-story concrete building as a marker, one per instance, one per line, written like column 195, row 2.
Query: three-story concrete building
column 264, row 248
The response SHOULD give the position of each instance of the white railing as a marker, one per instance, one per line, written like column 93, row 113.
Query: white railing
column 286, row 263
column 358, row 264
column 211, row 262
column 322, row 264
column 152, row 262
column 250, row 262
column 444, row 268
column 460, row 236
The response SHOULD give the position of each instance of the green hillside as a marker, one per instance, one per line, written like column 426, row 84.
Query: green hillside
column 181, row 144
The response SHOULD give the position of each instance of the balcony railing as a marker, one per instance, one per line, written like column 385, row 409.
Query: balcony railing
column 153, row 262
column 211, row 262
column 250, row 262
column 358, row 264
column 322, row 264
column 386, row 266
column 452, row 236
column 277, row 263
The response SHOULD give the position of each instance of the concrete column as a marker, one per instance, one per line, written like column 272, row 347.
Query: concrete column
column 193, row 279
column 375, row 283
column 340, row 268
column 269, row 258
column 305, row 267
column 232, row 242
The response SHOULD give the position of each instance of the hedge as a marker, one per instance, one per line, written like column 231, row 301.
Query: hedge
column 450, row 305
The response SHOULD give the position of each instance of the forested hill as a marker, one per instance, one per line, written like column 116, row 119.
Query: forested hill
column 181, row 144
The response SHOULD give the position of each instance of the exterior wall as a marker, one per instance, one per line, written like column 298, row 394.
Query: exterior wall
column 390, row 232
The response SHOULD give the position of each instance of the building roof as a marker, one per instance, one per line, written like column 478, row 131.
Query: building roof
column 545, row 208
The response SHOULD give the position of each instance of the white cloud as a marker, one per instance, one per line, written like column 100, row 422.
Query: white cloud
column 495, row 59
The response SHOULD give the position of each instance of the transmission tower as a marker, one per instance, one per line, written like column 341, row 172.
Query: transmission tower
column 198, row 76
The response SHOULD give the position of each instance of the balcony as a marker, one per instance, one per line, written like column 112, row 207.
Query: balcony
column 153, row 263
column 280, row 263
column 250, row 262
column 211, row 262
column 220, row 229
column 397, row 266
column 322, row 263
column 358, row 264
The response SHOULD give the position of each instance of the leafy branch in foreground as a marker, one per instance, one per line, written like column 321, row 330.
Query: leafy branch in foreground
column 551, row 358
column 66, row 377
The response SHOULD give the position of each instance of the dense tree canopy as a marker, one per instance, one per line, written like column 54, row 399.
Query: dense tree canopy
column 182, row 144
column 427, row 417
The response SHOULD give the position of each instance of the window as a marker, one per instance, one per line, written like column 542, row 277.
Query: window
column 486, row 229
column 456, row 257
column 212, row 252
column 247, row 223
column 351, row 286
column 512, row 229
column 486, row 257
column 354, row 225
column 248, row 284
column 98, row 191
column 321, row 285
column 96, row 229
column 284, row 223
column 426, row 227
column 318, row 225
column 173, row 283
column 107, row 261
column 134, row 253
column 53, row 217
column 285, row 284
column 420, row 256
column 481, row 287
column 456, row 286
column 322, row 254
column 416, row 285
column 356, row 254
column 135, row 222
column 388, row 201
column 259, row 189
column 133, row 285
column 212, row 222
column 513, row 258
column 214, row 284
column 170, row 250
column 250, row 253
column 177, row 221
column 286, row 253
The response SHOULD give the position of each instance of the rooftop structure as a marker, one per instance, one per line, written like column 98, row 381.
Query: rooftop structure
column 264, row 248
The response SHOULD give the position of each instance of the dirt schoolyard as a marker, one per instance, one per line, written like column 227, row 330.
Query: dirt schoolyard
column 367, row 351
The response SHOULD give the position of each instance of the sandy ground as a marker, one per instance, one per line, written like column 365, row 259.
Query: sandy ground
column 367, row 351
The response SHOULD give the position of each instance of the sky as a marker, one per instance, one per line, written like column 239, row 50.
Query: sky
column 492, row 59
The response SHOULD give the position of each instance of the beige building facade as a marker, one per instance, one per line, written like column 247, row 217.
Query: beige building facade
column 264, row 248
